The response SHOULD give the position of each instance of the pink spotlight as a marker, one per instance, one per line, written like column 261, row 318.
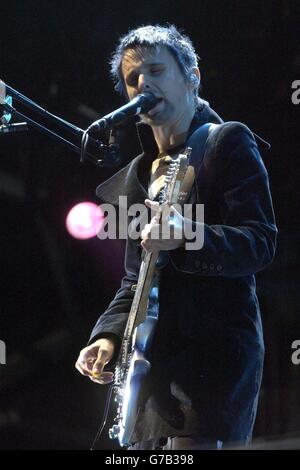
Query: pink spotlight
column 84, row 220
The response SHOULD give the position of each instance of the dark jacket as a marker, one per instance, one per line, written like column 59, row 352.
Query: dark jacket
column 207, row 355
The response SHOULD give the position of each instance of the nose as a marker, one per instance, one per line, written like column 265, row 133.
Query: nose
column 143, row 84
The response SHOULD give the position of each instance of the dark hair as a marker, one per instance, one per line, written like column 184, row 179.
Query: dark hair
column 179, row 45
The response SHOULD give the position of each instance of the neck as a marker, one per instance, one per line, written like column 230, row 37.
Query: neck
column 168, row 136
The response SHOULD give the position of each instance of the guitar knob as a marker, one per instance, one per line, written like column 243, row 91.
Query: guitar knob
column 114, row 431
column 118, row 399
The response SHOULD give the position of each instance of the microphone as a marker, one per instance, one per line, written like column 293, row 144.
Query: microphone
column 139, row 105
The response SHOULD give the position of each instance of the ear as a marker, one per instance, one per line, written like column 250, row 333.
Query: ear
column 197, row 73
column 195, row 77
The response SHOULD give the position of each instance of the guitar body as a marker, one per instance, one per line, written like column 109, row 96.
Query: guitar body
column 139, row 367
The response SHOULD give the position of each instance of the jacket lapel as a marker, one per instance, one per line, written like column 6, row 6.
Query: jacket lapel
column 124, row 183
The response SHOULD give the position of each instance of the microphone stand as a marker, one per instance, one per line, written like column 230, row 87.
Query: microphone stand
column 102, row 155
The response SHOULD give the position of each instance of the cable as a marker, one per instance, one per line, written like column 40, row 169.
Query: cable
column 103, row 422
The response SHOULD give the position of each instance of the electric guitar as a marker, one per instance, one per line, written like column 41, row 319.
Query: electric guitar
column 132, row 365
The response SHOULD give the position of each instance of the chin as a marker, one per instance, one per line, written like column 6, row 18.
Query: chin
column 159, row 119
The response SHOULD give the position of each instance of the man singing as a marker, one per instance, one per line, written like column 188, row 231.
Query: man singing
column 207, row 352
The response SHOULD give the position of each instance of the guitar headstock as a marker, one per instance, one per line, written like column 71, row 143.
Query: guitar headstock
column 177, row 182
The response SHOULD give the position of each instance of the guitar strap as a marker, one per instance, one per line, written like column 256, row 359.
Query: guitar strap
column 198, row 142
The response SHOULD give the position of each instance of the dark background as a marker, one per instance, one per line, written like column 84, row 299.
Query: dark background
column 54, row 287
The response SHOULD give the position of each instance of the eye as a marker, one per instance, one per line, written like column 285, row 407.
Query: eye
column 156, row 71
column 132, row 79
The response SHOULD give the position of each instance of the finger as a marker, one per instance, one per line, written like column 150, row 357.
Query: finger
column 102, row 359
column 153, row 234
column 145, row 231
column 89, row 363
column 82, row 369
column 104, row 378
column 156, row 219
column 85, row 361
column 144, row 244
column 153, row 205
column 88, row 356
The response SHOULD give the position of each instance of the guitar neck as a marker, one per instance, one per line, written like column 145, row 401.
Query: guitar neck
column 139, row 305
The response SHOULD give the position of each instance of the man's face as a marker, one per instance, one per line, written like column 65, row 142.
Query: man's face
column 155, row 70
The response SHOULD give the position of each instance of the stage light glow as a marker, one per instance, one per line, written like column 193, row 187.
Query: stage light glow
column 84, row 220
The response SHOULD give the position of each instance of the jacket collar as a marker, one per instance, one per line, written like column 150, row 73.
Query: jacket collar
column 131, row 181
